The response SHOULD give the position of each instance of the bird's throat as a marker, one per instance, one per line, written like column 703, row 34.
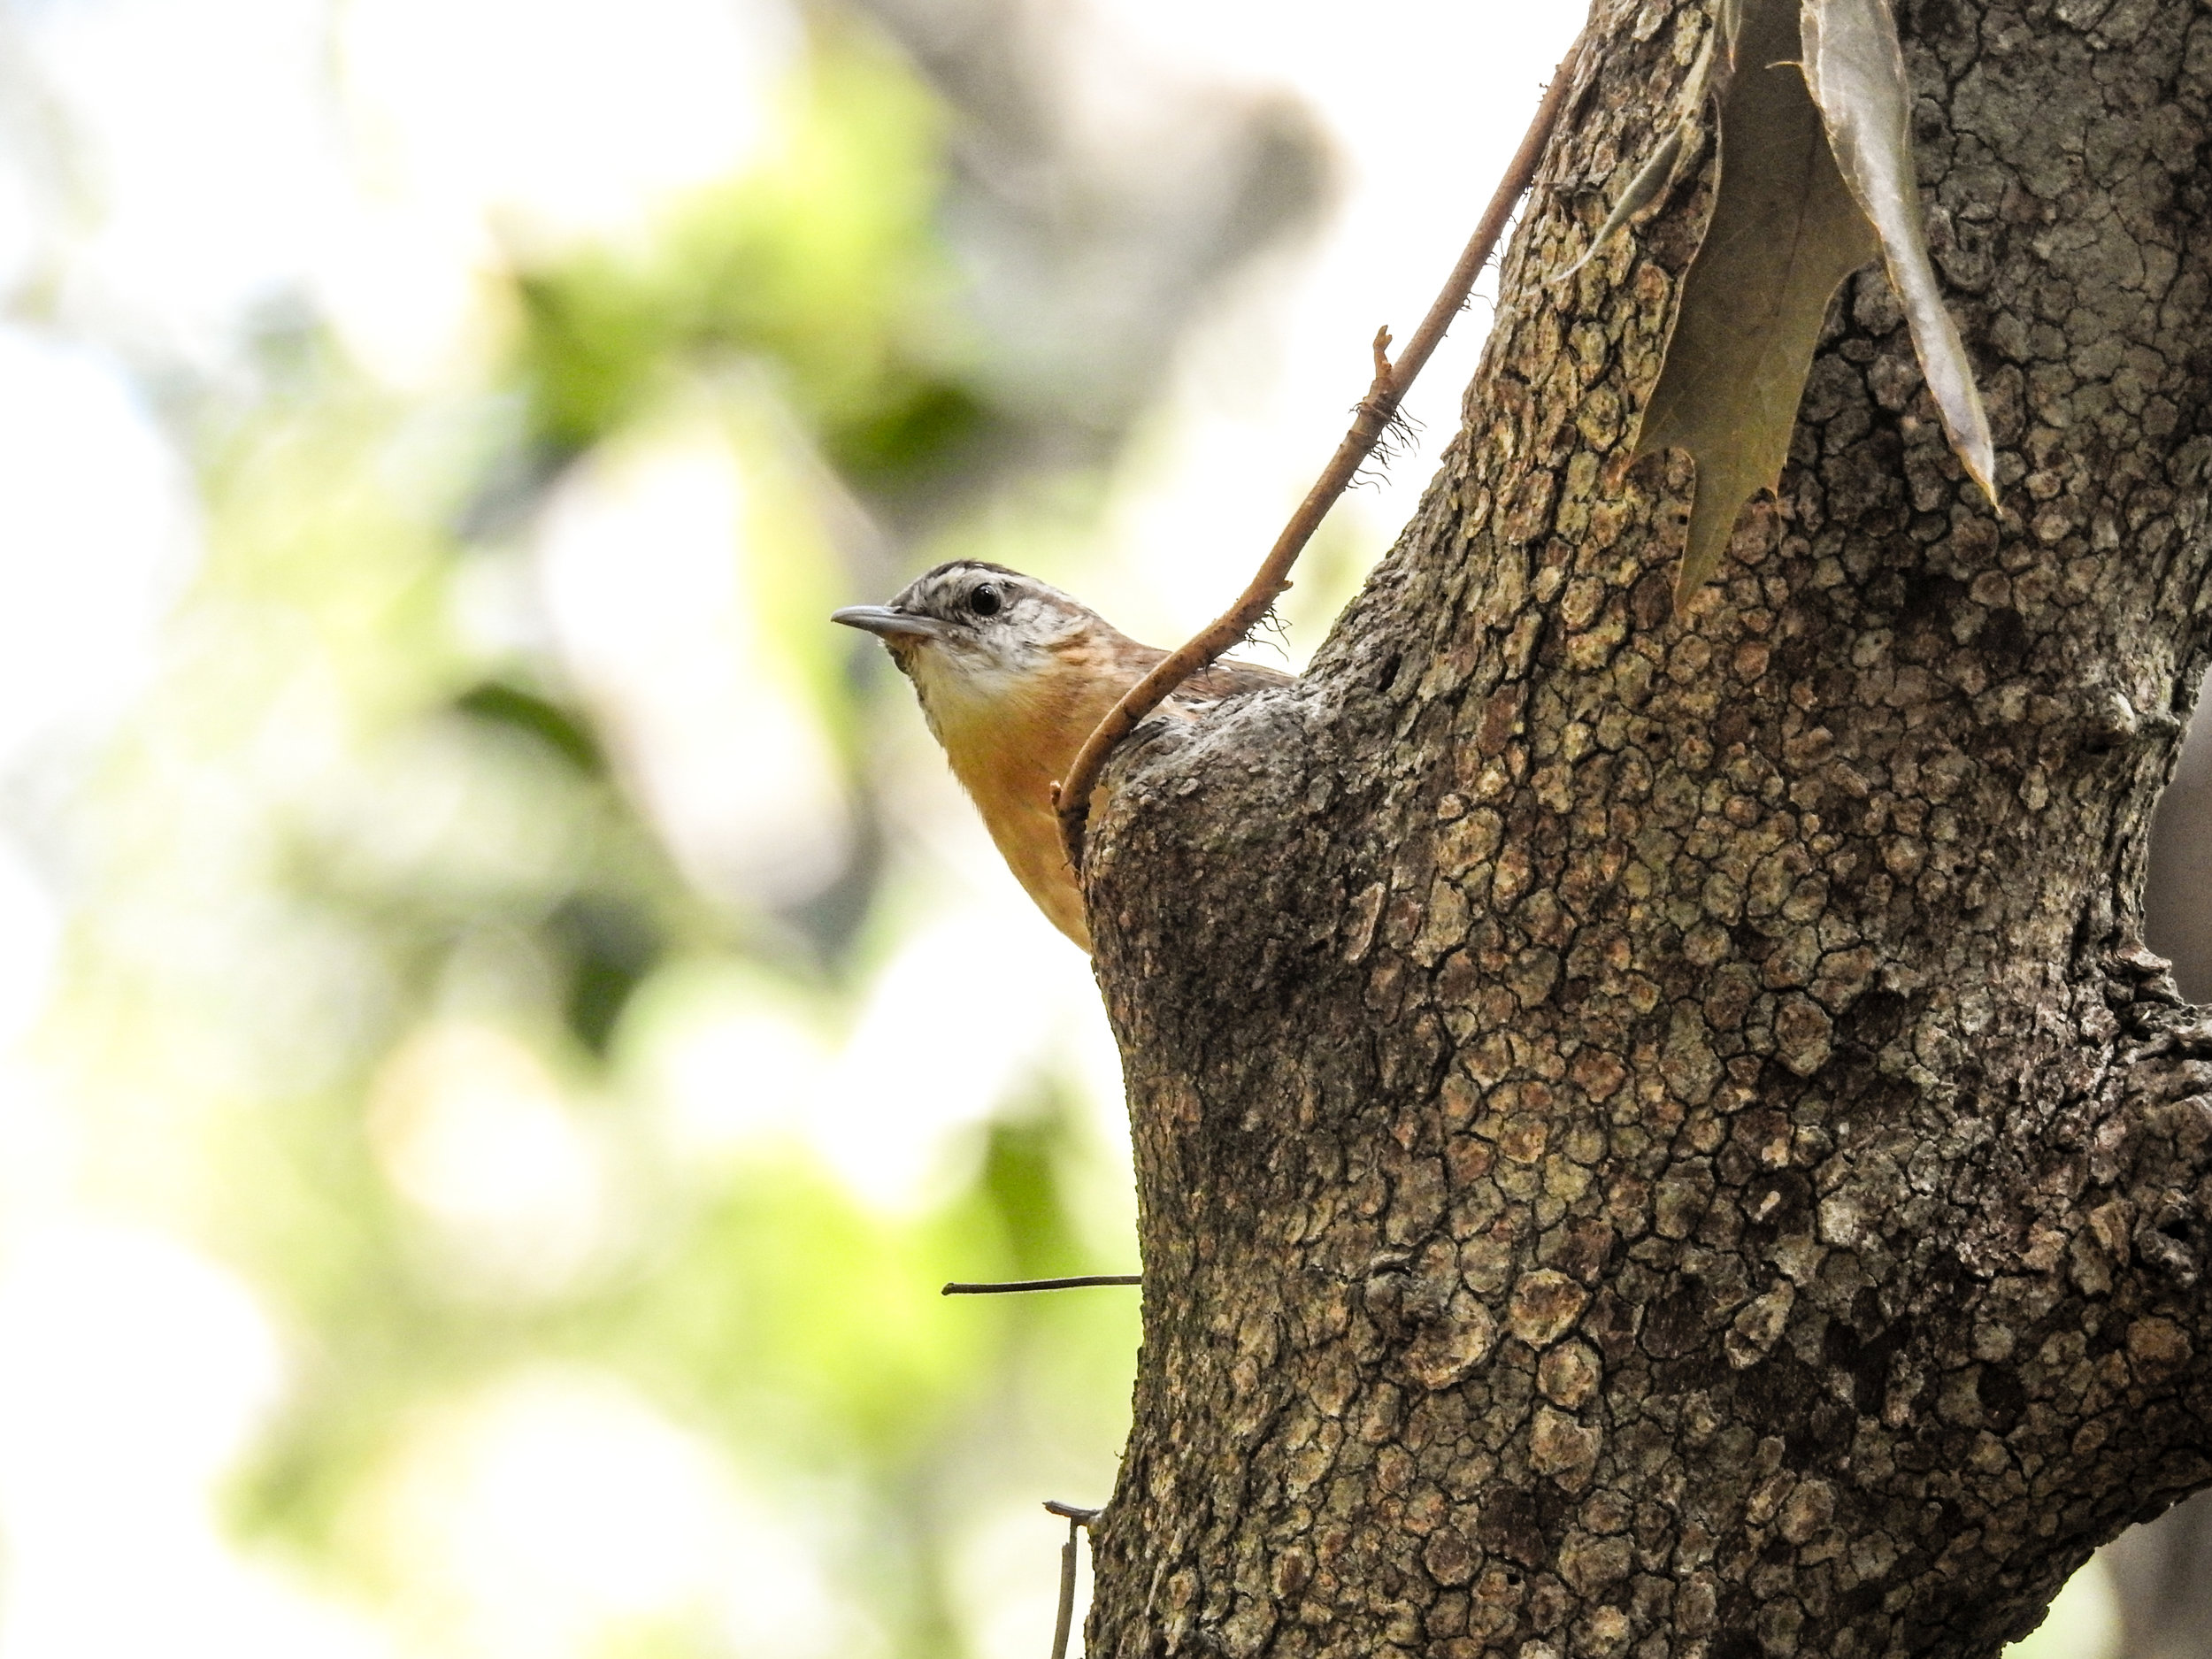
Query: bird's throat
column 1010, row 736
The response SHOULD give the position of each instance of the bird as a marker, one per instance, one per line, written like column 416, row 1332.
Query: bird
column 1012, row 675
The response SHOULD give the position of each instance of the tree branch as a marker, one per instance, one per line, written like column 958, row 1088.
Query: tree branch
column 1370, row 420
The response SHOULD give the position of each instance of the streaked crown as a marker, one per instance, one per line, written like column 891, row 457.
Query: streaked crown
column 993, row 617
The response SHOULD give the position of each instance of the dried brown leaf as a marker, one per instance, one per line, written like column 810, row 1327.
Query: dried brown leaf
column 1785, row 233
column 1855, row 71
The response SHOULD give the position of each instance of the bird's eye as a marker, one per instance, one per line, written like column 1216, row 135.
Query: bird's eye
column 986, row 600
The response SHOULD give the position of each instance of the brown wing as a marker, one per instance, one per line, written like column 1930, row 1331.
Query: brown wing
column 1228, row 678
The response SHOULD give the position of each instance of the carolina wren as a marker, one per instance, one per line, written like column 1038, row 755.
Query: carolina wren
column 1013, row 675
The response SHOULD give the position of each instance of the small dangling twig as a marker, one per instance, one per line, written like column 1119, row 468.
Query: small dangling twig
column 1078, row 1519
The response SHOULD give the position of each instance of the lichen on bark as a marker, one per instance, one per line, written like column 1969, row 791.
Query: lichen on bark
column 1655, row 1133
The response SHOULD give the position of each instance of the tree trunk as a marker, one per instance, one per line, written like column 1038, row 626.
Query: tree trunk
column 1656, row 1133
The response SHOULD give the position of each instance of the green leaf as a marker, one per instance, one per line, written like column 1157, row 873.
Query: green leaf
column 1785, row 233
column 565, row 731
column 1855, row 71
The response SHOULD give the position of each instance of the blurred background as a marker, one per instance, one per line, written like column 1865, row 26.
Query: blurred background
column 505, row 1022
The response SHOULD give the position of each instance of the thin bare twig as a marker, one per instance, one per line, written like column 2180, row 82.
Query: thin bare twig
column 1063, row 1620
column 1061, row 1625
column 1007, row 1286
column 1072, row 795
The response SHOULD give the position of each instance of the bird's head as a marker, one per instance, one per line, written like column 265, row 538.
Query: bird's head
column 977, row 627
column 1013, row 676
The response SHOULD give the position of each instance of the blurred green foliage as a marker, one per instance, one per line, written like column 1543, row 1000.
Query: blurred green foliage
column 824, row 264
column 357, row 823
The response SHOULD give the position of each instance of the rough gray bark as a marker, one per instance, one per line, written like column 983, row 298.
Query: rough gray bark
column 1657, row 1134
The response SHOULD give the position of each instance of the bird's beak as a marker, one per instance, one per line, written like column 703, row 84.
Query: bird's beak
column 884, row 620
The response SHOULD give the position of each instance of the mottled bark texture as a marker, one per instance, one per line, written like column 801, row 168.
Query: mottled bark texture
column 1656, row 1133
